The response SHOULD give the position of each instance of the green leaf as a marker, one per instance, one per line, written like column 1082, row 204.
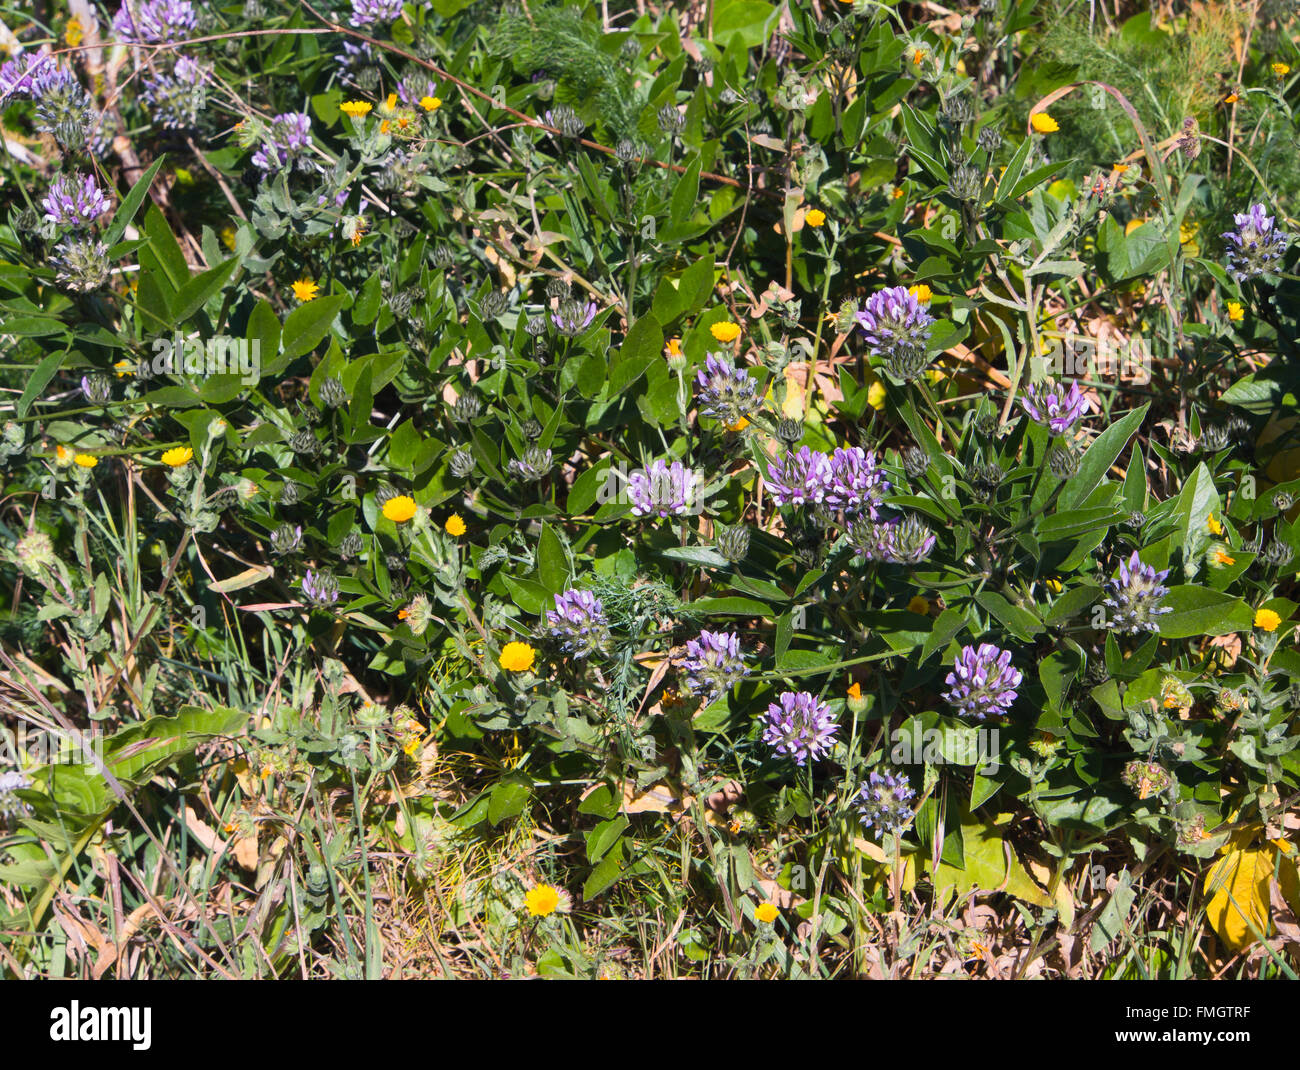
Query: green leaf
column 307, row 324
column 39, row 380
column 1200, row 611
column 508, row 799
column 1100, row 456
column 606, row 873
column 196, row 293
column 552, row 564
column 131, row 203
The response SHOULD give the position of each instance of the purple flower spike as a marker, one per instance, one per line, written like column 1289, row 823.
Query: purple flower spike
column 856, row 484
column 1256, row 246
column 1134, row 597
column 894, row 320
column 159, row 21
column 578, row 623
column 286, row 140
column 882, row 802
column 663, row 489
column 799, row 478
column 74, row 201
column 1054, row 408
column 800, row 726
column 368, row 12
column 725, row 392
column 713, row 664
column 983, row 681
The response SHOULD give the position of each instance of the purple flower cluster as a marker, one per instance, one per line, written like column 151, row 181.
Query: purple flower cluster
column 74, row 200
column 856, row 484
column 848, row 479
column 573, row 317
column 159, row 21
column 799, row 478
column 10, row 784
column 368, row 12
column 905, row 541
column 983, row 681
column 414, row 89
column 320, row 588
column 1256, row 246
column 725, row 392
column 663, row 489
column 1054, row 408
column 578, row 623
column 1134, row 597
column 286, row 140
column 800, row 726
column 713, row 664
column 176, row 99
column 351, row 59
column 18, row 76
column 894, row 322
column 883, row 802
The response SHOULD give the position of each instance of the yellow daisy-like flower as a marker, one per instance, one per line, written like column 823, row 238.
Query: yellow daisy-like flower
column 1222, row 558
column 356, row 108
column 1236, row 312
column 455, row 525
column 390, row 105
column 178, row 456
column 122, row 369
column 73, row 32
column 86, row 460
column 673, row 350
column 305, row 290
column 1215, row 527
column 921, row 292
column 1044, row 123
column 228, row 236
column 815, row 218
column 919, row 605
column 855, row 690
column 876, row 395
column 518, row 657
column 543, row 900
column 1267, row 620
column 897, row 193
column 384, row 126
column 767, row 913
column 430, row 103
column 918, row 57
column 1281, row 69
column 726, row 331
column 1120, row 168
column 400, row 509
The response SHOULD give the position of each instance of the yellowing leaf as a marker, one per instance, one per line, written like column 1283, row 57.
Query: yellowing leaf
column 1237, row 885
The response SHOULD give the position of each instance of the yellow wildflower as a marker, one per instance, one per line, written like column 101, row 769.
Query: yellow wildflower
column 400, row 509
column 430, row 103
column 86, row 460
column 73, row 32
column 62, row 455
column 122, row 369
column 815, row 218
column 921, row 292
column 1044, row 123
column 726, row 331
column 919, row 605
column 356, row 108
column 1267, row 620
column 1281, row 69
column 518, row 657
column 767, row 913
column 1236, row 313
column 855, row 690
column 545, row 899
column 178, row 456
column 739, row 425
column 305, row 290
column 455, row 525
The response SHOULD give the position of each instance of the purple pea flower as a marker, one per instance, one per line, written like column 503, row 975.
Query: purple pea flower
column 368, row 12
column 713, row 664
column 800, row 726
column 18, row 76
column 75, row 201
column 725, row 392
column 799, row 478
column 1256, row 245
column 159, row 21
column 1054, row 408
column 883, row 802
column 1134, row 597
column 856, row 484
column 663, row 489
column 288, row 136
column 894, row 321
column 578, row 623
column 983, row 681
column 573, row 317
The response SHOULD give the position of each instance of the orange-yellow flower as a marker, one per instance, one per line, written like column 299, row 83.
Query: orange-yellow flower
column 400, row 509
column 518, row 657
column 767, row 913
column 177, row 456
column 430, row 103
column 815, row 218
column 86, row 460
column 1044, row 123
column 725, row 331
column 356, row 108
column 455, row 525
column 1236, row 313
column 305, row 290
column 1267, row 620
